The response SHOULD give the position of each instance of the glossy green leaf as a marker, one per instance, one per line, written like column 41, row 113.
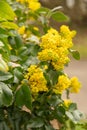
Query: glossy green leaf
column 6, row 48
column 70, row 116
column 18, row 75
column 75, row 54
column 23, row 96
column 5, row 76
column 75, row 116
column 35, row 123
column 18, row 41
column 6, row 12
column 42, row 10
column 59, row 16
column 6, row 95
column 54, row 100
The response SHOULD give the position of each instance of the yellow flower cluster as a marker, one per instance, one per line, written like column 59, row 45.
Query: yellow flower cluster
column 32, row 4
column 64, row 83
column 66, row 36
column 55, row 46
column 36, row 79
column 75, row 85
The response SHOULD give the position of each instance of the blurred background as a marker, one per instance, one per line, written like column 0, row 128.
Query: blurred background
column 77, row 12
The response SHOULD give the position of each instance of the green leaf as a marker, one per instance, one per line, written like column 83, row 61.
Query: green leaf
column 35, row 123
column 70, row 116
column 6, row 12
column 6, row 49
column 54, row 100
column 53, row 75
column 18, row 40
column 6, row 95
column 5, row 76
column 59, row 16
column 4, row 126
column 42, row 10
column 23, row 96
column 49, row 127
column 18, row 75
column 59, row 114
column 72, row 107
column 75, row 54
column 75, row 116
column 8, row 25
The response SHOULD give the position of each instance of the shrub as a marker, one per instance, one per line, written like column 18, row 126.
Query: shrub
column 32, row 59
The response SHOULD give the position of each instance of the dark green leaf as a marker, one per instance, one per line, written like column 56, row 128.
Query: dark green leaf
column 53, row 75
column 4, row 126
column 36, row 123
column 59, row 16
column 6, row 95
column 73, row 106
column 60, row 114
column 18, row 75
column 54, row 100
column 23, row 96
column 49, row 127
column 18, row 40
column 29, row 61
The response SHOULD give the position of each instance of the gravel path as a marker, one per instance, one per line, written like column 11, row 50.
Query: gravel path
column 79, row 69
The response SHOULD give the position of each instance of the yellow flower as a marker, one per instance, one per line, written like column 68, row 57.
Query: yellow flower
column 50, row 40
column 58, row 57
column 45, row 67
column 21, row 30
column 34, row 5
column 36, row 79
column 65, row 32
column 63, row 83
column 55, row 47
column 66, row 36
column 47, row 55
column 62, row 53
column 75, row 85
column 67, row 102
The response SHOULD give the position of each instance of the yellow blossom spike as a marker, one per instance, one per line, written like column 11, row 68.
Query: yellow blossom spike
column 36, row 79
column 63, row 83
column 75, row 85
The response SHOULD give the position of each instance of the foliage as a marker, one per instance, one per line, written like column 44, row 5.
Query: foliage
column 32, row 60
